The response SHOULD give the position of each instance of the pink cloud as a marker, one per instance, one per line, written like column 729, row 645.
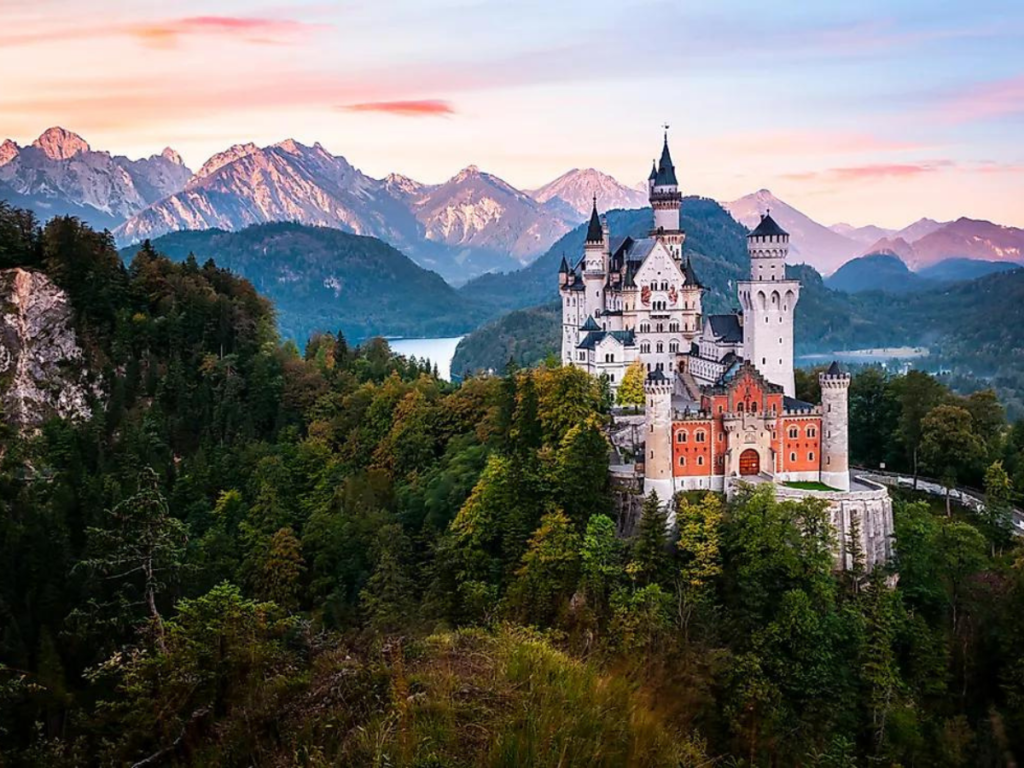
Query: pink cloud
column 986, row 100
column 416, row 108
column 874, row 171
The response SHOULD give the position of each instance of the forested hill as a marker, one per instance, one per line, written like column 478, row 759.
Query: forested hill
column 244, row 555
column 714, row 241
column 322, row 279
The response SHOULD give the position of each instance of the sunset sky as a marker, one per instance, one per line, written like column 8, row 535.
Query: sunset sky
column 869, row 112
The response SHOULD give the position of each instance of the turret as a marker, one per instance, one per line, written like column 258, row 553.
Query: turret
column 594, row 276
column 665, row 197
column 769, row 301
column 658, row 435
column 563, row 273
column 835, row 441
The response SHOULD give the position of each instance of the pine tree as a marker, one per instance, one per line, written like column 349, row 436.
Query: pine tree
column 650, row 558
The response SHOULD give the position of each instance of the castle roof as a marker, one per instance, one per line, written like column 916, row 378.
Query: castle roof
column 654, row 172
column 792, row 404
column 656, row 375
column 834, row 369
column 666, row 175
column 563, row 269
column 690, row 274
column 594, row 231
column 592, row 339
column 726, row 328
column 590, row 325
column 737, row 370
column 767, row 227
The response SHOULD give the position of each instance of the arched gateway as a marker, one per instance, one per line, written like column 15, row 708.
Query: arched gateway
column 750, row 462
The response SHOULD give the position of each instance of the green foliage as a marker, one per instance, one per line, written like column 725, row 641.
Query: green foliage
column 649, row 563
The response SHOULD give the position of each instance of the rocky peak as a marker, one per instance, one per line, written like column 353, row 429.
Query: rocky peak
column 8, row 151
column 173, row 156
column 42, row 367
column 60, row 144
column 229, row 155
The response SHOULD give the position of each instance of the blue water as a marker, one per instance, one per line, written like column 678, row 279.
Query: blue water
column 438, row 351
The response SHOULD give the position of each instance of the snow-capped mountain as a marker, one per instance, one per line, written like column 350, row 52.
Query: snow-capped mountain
column 961, row 239
column 478, row 210
column 809, row 242
column 288, row 181
column 60, row 173
column 577, row 189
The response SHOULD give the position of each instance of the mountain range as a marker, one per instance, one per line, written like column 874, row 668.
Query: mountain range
column 473, row 223
column 889, row 273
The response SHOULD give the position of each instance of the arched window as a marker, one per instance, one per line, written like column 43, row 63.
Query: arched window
column 660, row 346
column 673, row 346
column 700, row 461
column 794, row 432
column 812, row 432
column 681, row 436
column 699, row 435
column 792, row 457
column 810, row 455
column 682, row 461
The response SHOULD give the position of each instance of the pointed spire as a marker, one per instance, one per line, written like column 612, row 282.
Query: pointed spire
column 594, row 230
column 666, row 170
column 654, row 171
column 564, row 268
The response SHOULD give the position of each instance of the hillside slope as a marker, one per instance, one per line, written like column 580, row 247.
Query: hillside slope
column 324, row 279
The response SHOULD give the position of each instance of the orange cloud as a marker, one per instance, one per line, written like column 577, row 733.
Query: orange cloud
column 873, row 171
column 417, row 108
column 249, row 29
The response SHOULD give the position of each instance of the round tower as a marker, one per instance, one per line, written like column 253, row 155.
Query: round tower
column 658, row 436
column 769, row 301
column 835, row 434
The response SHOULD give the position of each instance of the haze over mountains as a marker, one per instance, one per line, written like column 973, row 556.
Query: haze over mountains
column 473, row 223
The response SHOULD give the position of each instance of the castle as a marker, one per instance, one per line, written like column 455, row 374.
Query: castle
column 720, row 405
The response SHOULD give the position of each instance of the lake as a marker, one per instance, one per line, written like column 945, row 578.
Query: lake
column 438, row 351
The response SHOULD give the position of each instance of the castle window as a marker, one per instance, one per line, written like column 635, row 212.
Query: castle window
column 792, row 457
column 739, row 407
column 682, row 461
column 700, row 461
column 810, row 455
column 699, row 436
column 673, row 346
column 812, row 432
column 794, row 432
column 661, row 347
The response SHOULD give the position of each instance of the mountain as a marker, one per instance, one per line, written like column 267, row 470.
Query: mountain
column 323, row 279
column 971, row 239
column 476, row 210
column 919, row 229
column 59, row 173
column 471, row 224
column 809, row 241
column 893, row 246
column 866, row 235
column 958, row 270
column 577, row 189
column 876, row 272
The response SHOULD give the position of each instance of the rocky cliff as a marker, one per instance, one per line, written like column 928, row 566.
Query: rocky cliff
column 42, row 365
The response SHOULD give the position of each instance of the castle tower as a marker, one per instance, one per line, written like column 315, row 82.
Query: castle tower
column 769, row 300
column 594, row 272
column 666, row 201
column 658, row 436
column 835, row 438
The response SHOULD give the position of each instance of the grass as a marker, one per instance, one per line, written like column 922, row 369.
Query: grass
column 809, row 485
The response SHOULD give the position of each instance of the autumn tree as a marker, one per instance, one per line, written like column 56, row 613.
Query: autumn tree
column 699, row 548
column 631, row 388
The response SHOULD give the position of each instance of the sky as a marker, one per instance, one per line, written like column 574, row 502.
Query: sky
column 868, row 113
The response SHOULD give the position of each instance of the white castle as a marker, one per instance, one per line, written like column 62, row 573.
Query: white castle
column 720, row 395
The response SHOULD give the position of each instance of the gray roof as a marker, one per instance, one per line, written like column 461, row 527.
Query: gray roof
column 656, row 375
column 666, row 171
column 726, row 328
column 792, row 404
column 690, row 275
column 594, row 231
column 641, row 249
column 834, row 369
column 767, row 227
column 590, row 325
column 592, row 339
